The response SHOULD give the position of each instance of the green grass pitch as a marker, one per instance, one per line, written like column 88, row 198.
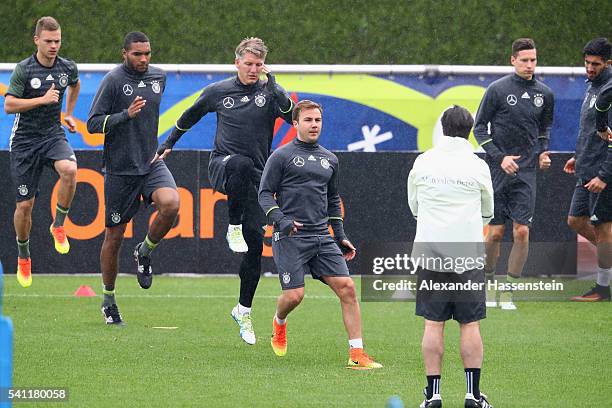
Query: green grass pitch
column 552, row 354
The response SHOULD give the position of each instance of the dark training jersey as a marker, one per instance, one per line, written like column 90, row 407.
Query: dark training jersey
column 30, row 80
column 520, row 114
column 129, row 144
column 591, row 150
column 245, row 118
column 300, row 183
column 603, row 104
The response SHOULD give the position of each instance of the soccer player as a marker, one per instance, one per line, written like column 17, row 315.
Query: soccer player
column 590, row 213
column 518, row 110
column 126, row 110
column 246, row 109
column 35, row 95
column 299, row 194
column 452, row 203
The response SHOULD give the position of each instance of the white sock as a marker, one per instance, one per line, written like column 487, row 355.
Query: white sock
column 603, row 276
column 243, row 310
column 356, row 343
column 280, row 321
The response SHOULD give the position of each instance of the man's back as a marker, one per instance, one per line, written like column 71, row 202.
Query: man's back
column 450, row 193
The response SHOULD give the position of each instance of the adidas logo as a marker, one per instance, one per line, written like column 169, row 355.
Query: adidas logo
column 311, row 158
column 244, row 99
column 49, row 77
column 142, row 85
column 525, row 96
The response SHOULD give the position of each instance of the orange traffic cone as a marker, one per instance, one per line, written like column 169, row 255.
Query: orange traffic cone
column 84, row 291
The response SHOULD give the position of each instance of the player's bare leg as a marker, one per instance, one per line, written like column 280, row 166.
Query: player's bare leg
column 67, row 171
column 287, row 301
column 516, row 262
column 167, row 202
column 22, row 220
column 494, row 238
column 109, row 266
column 601, row 290
column 583, row 226
column 344, row 288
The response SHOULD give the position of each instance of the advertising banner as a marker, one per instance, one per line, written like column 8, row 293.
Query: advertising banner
column 363, row 111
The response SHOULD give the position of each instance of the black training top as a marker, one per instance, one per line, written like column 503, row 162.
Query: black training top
column 520, row 114
column 603, row 105
column 30, row 80
column 129, row 144
column 245, row 118
column 591, row 150
column 300, row 183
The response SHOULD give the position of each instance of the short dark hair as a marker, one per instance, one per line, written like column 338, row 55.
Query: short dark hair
column 522, row 44
column 457, row 122
column 303, row 105
column 600, row 47
column 134, row 37
column 46, row 23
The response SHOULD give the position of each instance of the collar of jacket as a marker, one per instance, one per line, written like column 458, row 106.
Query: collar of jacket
column 133, row 73
column 454, row 144
column 305, row 145
column 522, row 80
column 602, row 78
column 244, row 86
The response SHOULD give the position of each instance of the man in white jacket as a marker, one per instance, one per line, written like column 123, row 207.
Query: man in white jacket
column 451, row 195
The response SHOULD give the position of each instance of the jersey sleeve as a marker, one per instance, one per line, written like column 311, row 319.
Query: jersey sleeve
column 101, row 119
column 413, row 201
column 486, row 192
column 605, row 170
column 485, row 114
column 334, row 204
column 17, row 82
column 284, row 104
column 269, row 186
column 74, row 74
column 602, row 106
column 546, row 122
column 204, row 104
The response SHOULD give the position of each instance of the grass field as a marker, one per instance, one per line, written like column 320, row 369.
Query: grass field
column 545, row 354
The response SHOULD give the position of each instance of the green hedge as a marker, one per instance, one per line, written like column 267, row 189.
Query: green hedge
column 319, row 32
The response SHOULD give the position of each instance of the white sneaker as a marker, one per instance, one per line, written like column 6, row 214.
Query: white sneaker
column 505, row 301
column 472, row 402
column 235, row 239
column 246, row 326
column 434, row 402
column 491, row 303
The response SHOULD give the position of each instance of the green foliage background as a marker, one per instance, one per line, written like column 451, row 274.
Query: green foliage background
column 474, row 32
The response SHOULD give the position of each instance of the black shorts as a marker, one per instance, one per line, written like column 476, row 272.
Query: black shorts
column 596, row 206
column 515, row 200
column 27, row 163
column 442, row 304
column 295, row 256
column 122, row 194
column 216, row 171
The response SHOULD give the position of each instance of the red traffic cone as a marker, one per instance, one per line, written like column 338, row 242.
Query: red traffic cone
column 84, row 291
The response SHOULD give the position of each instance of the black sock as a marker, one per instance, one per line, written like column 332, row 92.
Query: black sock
column 60, row 216
column 472, row 381
column 23, row 247
column 109, row 295
column 250, row 267
column 433, row 385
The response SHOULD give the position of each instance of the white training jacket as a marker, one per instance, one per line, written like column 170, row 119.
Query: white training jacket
column 450, row 193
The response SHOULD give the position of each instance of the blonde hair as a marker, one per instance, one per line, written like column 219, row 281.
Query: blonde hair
column 253, row 45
